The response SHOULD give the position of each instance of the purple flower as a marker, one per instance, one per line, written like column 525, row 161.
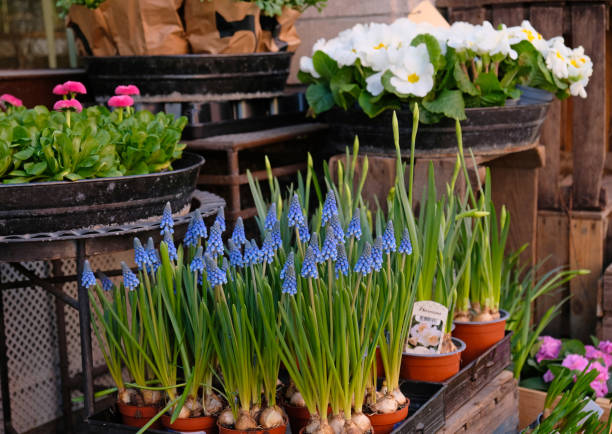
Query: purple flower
column 234, row 254
column 289, row 262
column 605, row 346
column 549, row 348
column 548, row 376
column 593, row 353
column 330, row 208
column 167, row 223
column 290, row 282
column 575, row 362
column 220, row 219
column 295, row 216
column 270, row 218
column 354, row 227
column 600, row 388
column 405, row 246
column 238, row 235
column 309, row 266
column 342, row 265
column 130, row 281
column 364, row 264
column 141, row 257
column 329, row 250
column 87, row 278
column 603, row 371
column 388, row 238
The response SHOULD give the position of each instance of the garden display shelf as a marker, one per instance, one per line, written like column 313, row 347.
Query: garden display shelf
column 78, row 244
column 426, row 410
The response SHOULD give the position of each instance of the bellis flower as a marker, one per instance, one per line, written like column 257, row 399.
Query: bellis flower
column 167, row 223
column 130, row 281
column 68, row 104
column 270, row 218
column 10, row 99
column 120, row 101
column 130, row 89
column 309, row 266
column 87, row 278
column 238, row 236
column 60, row 89
column 295, row 217
column 75, row 87
column 220, row 219
column 549, row 349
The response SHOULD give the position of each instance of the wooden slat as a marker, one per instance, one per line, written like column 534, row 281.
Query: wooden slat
column 590, row 116
column 242, row 179
column 470, row 15
column 549, row 21
column 475, row 3
column 509, row 15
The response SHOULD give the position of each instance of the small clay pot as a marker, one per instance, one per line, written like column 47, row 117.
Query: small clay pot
column 433, row 368
column 282, row 429
column 480, row 336
column 207, row 424
column 384, row 423
column 133, row 415
column 298, row 416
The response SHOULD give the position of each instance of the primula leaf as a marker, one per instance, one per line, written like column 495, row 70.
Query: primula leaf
column 450, row 103
column 535, row 383
column 433, row 48
column 373, row 106
column 463, row 80
column 572, row 346
column 319, row 97
column 306, row 78
column 344, row 91
column 324, row 65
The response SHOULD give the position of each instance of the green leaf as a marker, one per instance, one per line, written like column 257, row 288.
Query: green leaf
column 433, row 48
column 344, row 91
column 306, row 78
column 572, row 346
column 319, row 97
column 449, row 102
column 324, row 65
column 535, row 383
column 463, row 80
column 35, row 169
column 24, row 154
column 373, row 106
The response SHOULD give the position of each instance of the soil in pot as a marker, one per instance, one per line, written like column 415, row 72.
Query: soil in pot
column 433, row 368
column 479, row 336
column 207, row 424
column 138, row 416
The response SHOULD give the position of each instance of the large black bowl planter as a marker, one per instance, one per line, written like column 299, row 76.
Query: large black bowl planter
column 485, row 129
column 55, row 206
column 203, row 75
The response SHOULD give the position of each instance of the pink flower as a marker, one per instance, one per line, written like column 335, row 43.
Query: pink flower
column 600, row 388
column 121, row 101
column 10, row 99
column 60, row 89
column 548, row 376
column 75, row 87
column 130, row 89
column 549, row 349
column 603, row 371
column 593, row 353
column 575, row 362
column 605, row 346
column 68, row 104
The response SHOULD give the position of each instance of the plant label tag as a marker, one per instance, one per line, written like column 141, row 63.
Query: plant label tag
column 426, row 328
column 591, row 407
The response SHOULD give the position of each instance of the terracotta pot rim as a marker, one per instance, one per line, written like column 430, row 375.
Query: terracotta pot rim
column 458, row 343
column 169, row 416
column 255, row 430
column 396, row 411
column 503, row 316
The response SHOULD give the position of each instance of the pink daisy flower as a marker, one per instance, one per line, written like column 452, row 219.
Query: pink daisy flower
column 10, row 99
column 121, row 101
column 60, row 89
column 130, row 89
column 68, row 104
column 75, row 87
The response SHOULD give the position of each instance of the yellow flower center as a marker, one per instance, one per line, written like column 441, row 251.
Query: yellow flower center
column 354, row 51
column 583, row 60
column 530, row 35
column 574, row 63
column 379, row 46
column 559, row 56
column 413, row 78
column 539, row 37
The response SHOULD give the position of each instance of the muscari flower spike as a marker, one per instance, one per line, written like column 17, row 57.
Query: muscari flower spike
column 141, row 257
column 342, row 265
column 270, row 218
column 196, row 230
column 295, row 216
column 377, row 253
column 167, row 223
column 276, row 236
column 220, row 219
column 309, row 266
column 152, row 253
column 251, row 253
column 267, row 249
column 214, row 275
column 388, row 238
column 235, row 256
column 290, row 282
column 130, row 281
column 405, row 246
column 337, row 226
column 214, row 246
column 238, row 235
column 316, row 250
column 196, row 263
column 330, row 208
column 365, row 264
column 107, row 284
column 171, row 247
column 88, row 279
column 329, row 250
column 354, row 227
column 304, row 233
column 289, row 262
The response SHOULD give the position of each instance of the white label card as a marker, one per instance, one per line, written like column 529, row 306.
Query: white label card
column 426, row 328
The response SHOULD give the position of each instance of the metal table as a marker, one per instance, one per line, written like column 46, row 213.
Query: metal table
column 79, row 244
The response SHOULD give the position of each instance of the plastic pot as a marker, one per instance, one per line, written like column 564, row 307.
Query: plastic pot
column 278, row 430
column 298, row 417
column 433, row 368
column 480, row 336
column 208, row 424
column 133, row 415
column 384, row 423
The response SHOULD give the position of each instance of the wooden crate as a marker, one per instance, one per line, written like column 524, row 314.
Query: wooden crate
column 531, row 404
column 493, row 409
column 426, row 412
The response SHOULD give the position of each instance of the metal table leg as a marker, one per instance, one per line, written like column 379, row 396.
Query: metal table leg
column 4, row 376
column 85, row 328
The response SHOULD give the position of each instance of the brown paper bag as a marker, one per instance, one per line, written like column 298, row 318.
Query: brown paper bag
column 222, row 26
column 279, row 33
column 92, row 33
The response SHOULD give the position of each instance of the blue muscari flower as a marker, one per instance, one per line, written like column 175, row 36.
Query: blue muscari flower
column 107, row 284
column 316, row 250
column 365, row 264
column 337, row 226
column 87, row 278
column 171, row 247
column 354, row 227
column 330, row 208
column 309, row 266
column 276, row 236
column 214, row 246
column 214, row 275
column 130, row 281
column 167, row 223
column 141, row 256
column 405, row 246
column 270, row 218
column 289, row 262
column 295, row 216
column 152, row 253
column 329, row 250
column 196, row 263
column 196, row 230
column 224, row 265
column 342, row 265
column 251, row 253
column 238, row 235
column 290, row 282
column 220, row 219
column 388, row 238
column 235, row 255
column 377, row 253
column 304, row 233
column 267, row 249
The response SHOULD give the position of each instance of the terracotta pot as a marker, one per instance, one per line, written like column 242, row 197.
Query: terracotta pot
column 434, row 368
column 278, row 430
column 384, row 423
column 207, row 424
column 380, row 369
column 479, row 336
column 298, row 416
column 133, row 415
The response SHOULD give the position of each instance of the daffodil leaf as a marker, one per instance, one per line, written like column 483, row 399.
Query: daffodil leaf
column 433, row 48
column 319, row 97
column 324, row 65
column 373, row 106
column 463, row 80
column 449, row 102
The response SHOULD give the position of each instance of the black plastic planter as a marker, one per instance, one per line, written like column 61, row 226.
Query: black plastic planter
column 485, row 129
column 190, row 74
column 55, row 206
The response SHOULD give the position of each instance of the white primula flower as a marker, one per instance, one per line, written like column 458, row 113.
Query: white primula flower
column 306, row 65
column 526, row 32
column 372, row 46
column 557, row 59
column 490, row 41
column 461, row 36
column 374, row 83
column 413, row 74
column 580, row 69
column 578, row 88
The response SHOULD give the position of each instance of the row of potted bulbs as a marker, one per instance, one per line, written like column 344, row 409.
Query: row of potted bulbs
column 245, row 337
